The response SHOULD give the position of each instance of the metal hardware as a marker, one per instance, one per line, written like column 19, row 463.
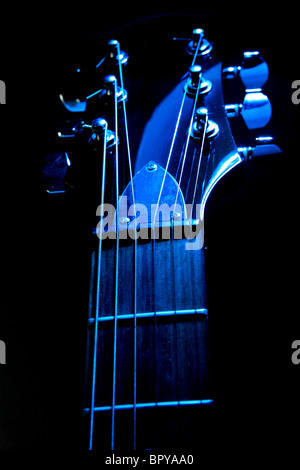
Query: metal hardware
column 264, row 147
column 176, row 215
column 212, row 128
column 205, row 46
column 159, row 404
column 151, row 167
column 124, row 220
column 98, row 126
column 109, row 83
column 253, row 71
column 256, row 109
column 199, row 312
column 115, row 54
column 192, row 84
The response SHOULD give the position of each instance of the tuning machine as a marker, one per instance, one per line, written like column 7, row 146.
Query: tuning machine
column 205, row 46
column 256, row 109
column 263, row 147
column 114, row 59
column 114, row 54
column 196, row 82
column 106, row 94
column 203, row 123
column 92, row 133
column 253, row 71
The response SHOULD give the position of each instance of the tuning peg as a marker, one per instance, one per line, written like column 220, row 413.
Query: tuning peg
column 115, row 54
column 253, row 71
column 202, row 122
column 192, row 84
column 205, row 46
column 256, row 109
column 263, row 147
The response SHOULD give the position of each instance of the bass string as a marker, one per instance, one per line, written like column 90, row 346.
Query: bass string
column 134, row 255
column 97, row 308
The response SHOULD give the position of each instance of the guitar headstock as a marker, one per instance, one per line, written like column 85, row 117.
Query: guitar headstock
column 155, row 154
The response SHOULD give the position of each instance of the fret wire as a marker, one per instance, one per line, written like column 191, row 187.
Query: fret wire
column 98, row 292
column 155, row 404
column 130, row 316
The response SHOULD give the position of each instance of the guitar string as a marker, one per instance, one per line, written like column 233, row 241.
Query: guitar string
column 97, row 308
column 135, row 251
column 199, row 163
column 192, row 117
column 154, row 241
column 116, row 274
column 186, row 145
column 187, row 141
column 135, row 254
column 176, row 128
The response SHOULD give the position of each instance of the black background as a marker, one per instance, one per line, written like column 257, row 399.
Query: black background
column 251, row 234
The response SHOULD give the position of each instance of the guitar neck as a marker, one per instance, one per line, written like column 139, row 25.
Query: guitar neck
column 156, row 350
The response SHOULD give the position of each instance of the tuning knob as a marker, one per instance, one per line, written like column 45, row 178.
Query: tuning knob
column 256, row 109
column 263, row 147
column 253, row 71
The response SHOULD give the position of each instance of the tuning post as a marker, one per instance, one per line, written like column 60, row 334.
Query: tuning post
column 110, row 87
column 192, row 85
column 99, row 131
column 92, row 132
column 205, row 46
column 202, row 122
column 253, row 71
column 256, row 109
column 115, row 54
